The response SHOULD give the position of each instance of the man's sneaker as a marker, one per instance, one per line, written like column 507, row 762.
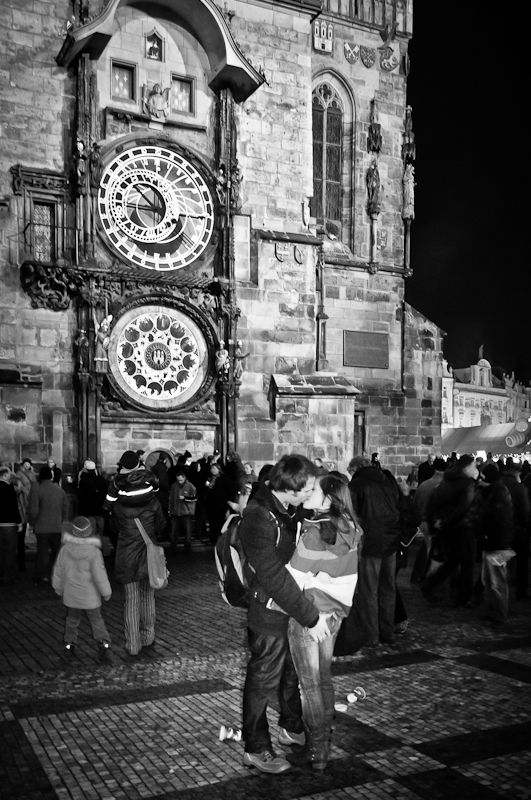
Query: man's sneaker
column 287, row 738
column 103, row 648
column 70, row 650
column 266, row 762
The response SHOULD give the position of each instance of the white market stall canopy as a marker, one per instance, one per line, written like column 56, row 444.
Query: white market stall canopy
column 491, row 438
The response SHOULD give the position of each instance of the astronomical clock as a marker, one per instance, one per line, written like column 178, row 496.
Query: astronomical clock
column 156, row 217
column 155, row 208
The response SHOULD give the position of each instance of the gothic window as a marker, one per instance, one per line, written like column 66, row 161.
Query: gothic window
column 46, row 234
column 327, row 123
column 123, row 81
column 44, row 226
column 182, row 95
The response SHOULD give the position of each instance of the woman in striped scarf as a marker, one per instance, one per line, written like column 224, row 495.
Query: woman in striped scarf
column 325, row 566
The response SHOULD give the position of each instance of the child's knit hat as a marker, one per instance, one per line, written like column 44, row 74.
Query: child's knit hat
column 81, row 527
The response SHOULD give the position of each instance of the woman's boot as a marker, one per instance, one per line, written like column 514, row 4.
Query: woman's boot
column 314, row 752
column 320, row 750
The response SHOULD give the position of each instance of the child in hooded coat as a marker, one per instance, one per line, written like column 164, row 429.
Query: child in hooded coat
column 80, row 577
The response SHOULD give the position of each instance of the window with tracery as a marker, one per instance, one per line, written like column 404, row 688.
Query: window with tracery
column 44, row 228
column 327, row 125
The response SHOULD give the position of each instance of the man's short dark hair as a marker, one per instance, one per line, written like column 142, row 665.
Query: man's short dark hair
column 291, row 473
column 439, row 464
column 45, row 474
column 180, row 472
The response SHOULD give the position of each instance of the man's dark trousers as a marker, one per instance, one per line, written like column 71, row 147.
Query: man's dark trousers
column 270, row 675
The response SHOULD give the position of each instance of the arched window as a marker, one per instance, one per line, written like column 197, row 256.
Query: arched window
column 326, row 205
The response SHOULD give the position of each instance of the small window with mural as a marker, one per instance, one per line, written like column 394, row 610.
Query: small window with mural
column 123, row 81
column 182, row 95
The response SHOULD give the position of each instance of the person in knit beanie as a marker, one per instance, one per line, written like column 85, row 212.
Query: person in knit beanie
column 80, row 578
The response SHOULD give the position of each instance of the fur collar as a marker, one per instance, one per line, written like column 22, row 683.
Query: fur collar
column 95, row 541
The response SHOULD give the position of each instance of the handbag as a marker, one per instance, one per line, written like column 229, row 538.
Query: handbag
column 156, row 561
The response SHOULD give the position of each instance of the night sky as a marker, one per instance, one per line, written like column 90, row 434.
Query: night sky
column 470, row 227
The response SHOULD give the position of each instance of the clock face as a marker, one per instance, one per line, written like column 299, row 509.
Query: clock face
column 157, row 356
column 155, row 208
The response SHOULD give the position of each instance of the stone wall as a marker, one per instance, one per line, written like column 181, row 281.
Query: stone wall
column 151, row 436
column 277, row 289
column 36, row 105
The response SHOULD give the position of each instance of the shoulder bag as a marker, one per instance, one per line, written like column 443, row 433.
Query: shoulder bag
column 156, row 561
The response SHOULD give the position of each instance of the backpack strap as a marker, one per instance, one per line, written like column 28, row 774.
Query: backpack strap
column 278, row 529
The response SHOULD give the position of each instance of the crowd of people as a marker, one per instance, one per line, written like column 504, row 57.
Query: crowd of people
column 324, row 550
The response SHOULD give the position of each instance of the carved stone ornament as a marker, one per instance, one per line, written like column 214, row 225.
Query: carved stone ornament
column 388, row 59
column 49, row 287
column 409, row 148
column 374, row 134
column 368, row 56
column 25, row 177
column 408, row 185
column 298, row 255
column 374, row 191
column 352, row 52
column 381, row 240
column 156, row 102
column 281, row 250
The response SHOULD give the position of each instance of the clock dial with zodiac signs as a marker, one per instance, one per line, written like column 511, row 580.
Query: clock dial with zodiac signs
column 157, row 357
column 155, row 208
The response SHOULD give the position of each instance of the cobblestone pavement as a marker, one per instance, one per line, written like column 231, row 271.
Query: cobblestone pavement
column 447, row 712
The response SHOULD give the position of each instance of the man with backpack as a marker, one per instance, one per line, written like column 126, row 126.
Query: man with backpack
column 268, row 535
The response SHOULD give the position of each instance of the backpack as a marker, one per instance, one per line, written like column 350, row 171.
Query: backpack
column 234, row 570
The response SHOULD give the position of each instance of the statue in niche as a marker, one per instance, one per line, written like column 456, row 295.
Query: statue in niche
column 82, row 345
column 239, row 358
column 95, row 165
column 103, row 337
column 208, row 303
column 221, row 183
column 374, row 190
column 409, row 149
column 374, row 134
column 222, row 361
column 408, row 183
column 80, row 156
column 156, row 104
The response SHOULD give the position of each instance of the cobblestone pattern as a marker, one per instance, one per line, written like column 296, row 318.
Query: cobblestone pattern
column 440, row 720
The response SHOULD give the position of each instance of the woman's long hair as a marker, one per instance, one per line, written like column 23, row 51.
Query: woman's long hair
column 341, row 511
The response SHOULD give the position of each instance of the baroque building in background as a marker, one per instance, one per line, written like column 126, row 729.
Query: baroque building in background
column 205, row 217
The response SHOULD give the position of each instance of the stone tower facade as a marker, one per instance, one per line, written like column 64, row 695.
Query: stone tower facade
column 204, row 233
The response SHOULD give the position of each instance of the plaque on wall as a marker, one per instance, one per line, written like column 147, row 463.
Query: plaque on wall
column 363, row 349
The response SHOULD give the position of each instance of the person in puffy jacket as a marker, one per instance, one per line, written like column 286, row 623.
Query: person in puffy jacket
column 80, row 578
column 452, row 515
column 131, row 496
column 496, row 532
